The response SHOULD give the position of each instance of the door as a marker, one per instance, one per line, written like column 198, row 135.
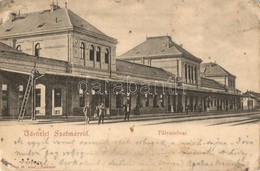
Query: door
column 40, row 99
column 5, row 100
column 57, row 101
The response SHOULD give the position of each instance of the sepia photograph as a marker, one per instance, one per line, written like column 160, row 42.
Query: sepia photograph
column 133, row 85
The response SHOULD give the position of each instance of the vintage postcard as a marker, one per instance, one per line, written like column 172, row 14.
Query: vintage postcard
column 129, row 85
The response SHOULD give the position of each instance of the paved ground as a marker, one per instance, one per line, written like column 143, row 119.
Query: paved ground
column 142, row 135
column 207, row 119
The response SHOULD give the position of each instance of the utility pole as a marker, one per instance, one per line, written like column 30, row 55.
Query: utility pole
column 33, row 117
column 34, row 78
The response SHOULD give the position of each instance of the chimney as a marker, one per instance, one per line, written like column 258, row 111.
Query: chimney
column 12, row 16
column 54, row 7
column 181, row 45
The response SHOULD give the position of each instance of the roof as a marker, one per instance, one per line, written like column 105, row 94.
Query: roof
column 6, row 48
column 130, row 68
column 122, row 67
column 213, row 69
column 209, row 83
column 252, row 94
column 157, row 47
column 47, row 21
column 78, row 22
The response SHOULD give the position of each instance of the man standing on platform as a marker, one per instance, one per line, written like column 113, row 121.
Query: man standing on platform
column 127, row 111
column 86, row 111
column 101, row 109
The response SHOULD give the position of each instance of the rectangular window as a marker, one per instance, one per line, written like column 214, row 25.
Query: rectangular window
column 38, row 97
column 20, row 88
column 4, row 92
column 21, row 93
column 4, row 87
column 57, row 97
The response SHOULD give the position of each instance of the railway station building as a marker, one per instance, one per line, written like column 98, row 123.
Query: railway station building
column 76, row 64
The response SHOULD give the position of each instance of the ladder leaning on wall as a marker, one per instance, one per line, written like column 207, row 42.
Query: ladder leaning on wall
column 26, row 95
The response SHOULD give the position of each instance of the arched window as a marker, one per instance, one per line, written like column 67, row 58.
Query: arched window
column 192, row 76
column 107, row 56
column 195, row 71
column 98, row 54
column 18, row 47
column 189, row 74
column 37, row 49
column 82, row 50
column 91, row 53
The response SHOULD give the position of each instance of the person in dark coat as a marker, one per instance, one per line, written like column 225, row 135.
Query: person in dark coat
column 127, row 111
column 87, row 111
column 187, row 108
column 101, row 109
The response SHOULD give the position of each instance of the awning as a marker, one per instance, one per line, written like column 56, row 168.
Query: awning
column 78, row 76
column 15, row 71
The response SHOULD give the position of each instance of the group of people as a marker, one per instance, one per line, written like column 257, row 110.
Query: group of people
column 195, row 108
column 100, row 111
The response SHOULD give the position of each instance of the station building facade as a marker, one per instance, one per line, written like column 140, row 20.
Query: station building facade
column 251, row 100
column 207, row 86
column 77, row 64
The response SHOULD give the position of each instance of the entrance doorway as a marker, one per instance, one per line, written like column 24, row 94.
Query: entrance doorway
column 57, row 101
column 40, row 99
column 4, row 88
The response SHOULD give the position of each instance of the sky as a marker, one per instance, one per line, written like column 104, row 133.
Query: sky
column 225, row 32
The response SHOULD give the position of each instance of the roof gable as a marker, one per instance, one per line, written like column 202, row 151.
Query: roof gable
column 145, row 71
column 46, row 21
column 213, row 69
column 78, row 22
column 209, row 83
column 36, row 22
column 6, row 48
column 160, row 46
column 252, row 94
